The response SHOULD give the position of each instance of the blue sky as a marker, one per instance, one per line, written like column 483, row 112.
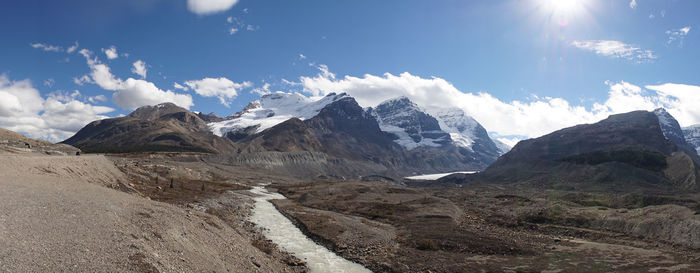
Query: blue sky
column 524, row 68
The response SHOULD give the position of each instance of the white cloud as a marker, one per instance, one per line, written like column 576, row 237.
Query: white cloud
column 130, row 93
column 111, row 52
column 680, row 100
column 55, row 118
column 252, row 28
column 515, row 118
column 229, row 19
column 633, row 4
column 302, row 56
column 73, row 48
column 264, row 90
column 179, row 86
column 677, row 35
column 139, row 68
column 232, row 31
column 135, row 93
column 98, row 98
column 82, row 80
column 616, row 49
column 205, row 7
column 46, row 47
column 222, row 88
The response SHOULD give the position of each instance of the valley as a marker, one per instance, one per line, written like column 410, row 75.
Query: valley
column 328, row 193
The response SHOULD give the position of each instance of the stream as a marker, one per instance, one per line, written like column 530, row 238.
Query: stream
column 288, row 237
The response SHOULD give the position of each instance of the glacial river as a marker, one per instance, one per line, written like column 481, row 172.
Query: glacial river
column 287, row 236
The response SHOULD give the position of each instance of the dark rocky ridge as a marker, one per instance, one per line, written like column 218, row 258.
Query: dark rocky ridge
column 624, row 152
column 164, row 127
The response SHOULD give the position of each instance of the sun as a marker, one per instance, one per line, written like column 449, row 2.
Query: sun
column 563, row 11
column 563, row 7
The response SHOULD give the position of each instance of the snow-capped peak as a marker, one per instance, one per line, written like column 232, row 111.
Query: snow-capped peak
column 458, row 124
column 273, row 109
column 409, row 123
column 669, row 126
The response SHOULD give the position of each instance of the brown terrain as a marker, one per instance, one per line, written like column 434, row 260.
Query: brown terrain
column 180, row 212
column 482, row 228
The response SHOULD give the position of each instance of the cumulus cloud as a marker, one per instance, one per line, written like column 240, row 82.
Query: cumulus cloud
column 509, row 118
column 616, row 49
column 205, row 7
column 130, row 93
column 677, row 35
column 135, row 93
column 46, row 47
column 55, row 118
column 633, row 4
column 232, row 31
column 222, row 88
column 139, row 68
column 111, row 52
column 681, row 101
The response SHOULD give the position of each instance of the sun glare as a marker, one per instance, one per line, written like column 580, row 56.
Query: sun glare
column 564, row 6
column 562, row 11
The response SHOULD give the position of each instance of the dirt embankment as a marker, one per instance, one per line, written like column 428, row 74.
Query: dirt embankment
column 57, row 215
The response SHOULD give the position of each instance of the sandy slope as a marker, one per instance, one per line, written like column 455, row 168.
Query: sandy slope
column 57, row 215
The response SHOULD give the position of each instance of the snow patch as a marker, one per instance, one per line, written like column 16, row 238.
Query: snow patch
column 273, row 109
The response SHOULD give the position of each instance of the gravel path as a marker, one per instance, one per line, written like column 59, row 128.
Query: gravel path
column 56, row 215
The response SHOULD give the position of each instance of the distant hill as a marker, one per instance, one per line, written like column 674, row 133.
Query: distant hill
column 163, row 127
column 633, row 151
column 13, row 142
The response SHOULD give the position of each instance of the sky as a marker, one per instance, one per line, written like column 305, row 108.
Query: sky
column 522, row 68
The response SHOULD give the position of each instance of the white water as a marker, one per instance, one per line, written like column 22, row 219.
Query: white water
column 287, row 236
column 434, row 176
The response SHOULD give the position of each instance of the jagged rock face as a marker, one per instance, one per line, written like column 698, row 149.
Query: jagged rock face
column 673, row 132
column 164, row 127
column 412, row 126
column 621, row 153
column 692, row 136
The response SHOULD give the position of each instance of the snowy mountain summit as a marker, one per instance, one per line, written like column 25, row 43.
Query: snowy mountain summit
column 273, row 109
column 412, row 126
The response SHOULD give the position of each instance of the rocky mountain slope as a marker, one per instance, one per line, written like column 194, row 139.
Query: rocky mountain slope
column 395, row 134
column 344, row 130
column 632, row 151
column 411, row 125
column 164, row 127
column 692, row 136
column 672, row 131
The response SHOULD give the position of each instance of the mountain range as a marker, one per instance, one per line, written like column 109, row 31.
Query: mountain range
column 396, row 135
